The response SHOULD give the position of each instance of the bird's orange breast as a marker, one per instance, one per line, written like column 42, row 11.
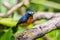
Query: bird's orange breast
column 29, row 21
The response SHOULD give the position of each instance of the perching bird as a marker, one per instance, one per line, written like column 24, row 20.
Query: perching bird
column 25, row 20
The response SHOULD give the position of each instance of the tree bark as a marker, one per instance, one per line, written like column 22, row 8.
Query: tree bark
column 39, row 30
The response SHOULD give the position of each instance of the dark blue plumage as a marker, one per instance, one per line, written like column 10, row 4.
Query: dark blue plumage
column 24, row 19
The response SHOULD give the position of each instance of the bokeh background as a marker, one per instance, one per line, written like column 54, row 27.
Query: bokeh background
column 7, row 23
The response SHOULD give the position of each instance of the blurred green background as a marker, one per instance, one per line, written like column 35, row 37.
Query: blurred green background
column 34, row 5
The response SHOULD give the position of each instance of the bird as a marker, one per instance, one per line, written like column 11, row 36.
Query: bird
column 25, row 20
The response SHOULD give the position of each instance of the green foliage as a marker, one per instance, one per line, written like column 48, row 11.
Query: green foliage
column 40, row 39
column 57, row 1
column 9, row 22
column 35, row 5
column 42, row 21
column 7, row 35
column 57, row 34
column 30, row 26
column 47, row 3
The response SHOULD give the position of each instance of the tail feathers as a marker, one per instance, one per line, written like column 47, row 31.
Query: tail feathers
column 15, row 29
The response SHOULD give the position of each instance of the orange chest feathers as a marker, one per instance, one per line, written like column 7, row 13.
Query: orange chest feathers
column 29, row 21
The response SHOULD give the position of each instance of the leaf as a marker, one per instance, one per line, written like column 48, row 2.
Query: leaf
column 52, row 35
column 42, row 21
column 7, row 35
column 57, row 34
column 30, row 26
column 8, row 22
column 47, row 3
column 40, row 39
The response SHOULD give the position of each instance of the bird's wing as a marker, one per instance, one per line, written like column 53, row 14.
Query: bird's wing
column 22, row 20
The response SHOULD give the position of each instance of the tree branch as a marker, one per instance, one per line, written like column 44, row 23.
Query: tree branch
column 47, row 15
column 6, row 4
column 12, row 10
column 20, row 10
column 39, row 30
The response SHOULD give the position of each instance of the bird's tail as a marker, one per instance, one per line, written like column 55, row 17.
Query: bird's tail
column 15, row 29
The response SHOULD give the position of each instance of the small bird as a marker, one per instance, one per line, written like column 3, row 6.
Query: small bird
column 25, row 20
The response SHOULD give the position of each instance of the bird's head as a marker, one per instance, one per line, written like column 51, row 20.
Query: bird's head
column 29, row 13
